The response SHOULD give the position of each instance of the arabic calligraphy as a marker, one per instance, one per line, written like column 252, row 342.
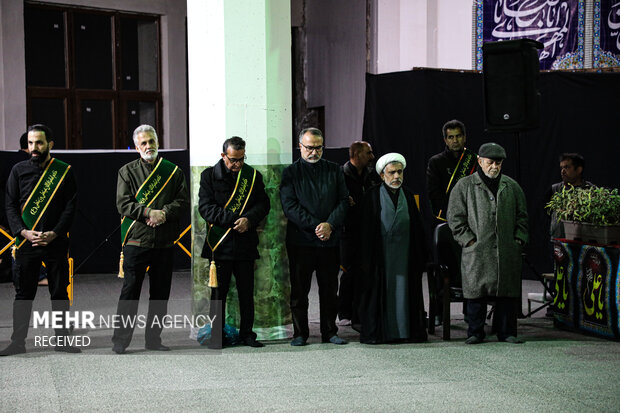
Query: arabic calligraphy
column 153, row 186
column 546, row 21
column 613, row 22
column 240, row 197
column 47, row 187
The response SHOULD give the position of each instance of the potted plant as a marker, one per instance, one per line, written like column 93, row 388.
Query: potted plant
column 589, row 214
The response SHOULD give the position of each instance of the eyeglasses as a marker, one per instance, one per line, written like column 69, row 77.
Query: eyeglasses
column 312, row 148
column 236, row 160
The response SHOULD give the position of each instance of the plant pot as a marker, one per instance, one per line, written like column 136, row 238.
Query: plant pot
column 598, row 234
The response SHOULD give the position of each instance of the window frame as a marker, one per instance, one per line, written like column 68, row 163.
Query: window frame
column 73, row 96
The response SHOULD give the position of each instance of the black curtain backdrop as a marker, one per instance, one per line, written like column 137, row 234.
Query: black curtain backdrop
column 579, row 113
column 97, row 217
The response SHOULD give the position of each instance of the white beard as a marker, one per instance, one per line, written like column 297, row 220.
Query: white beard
column 394, row 185
column 149, row 157
column 491, row 175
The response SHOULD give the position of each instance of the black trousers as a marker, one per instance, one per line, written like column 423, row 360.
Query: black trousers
column 26, row 270
column 349, row 289
column 244, row 280
column 303, row 261
column 504, row 316
column 137, row 259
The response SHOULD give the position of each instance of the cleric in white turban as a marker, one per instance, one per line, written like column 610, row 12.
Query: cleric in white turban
column 387, row 159
column 393, row 257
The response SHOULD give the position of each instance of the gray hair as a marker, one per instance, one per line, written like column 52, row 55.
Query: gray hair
column 143, row 129
column 313, row 132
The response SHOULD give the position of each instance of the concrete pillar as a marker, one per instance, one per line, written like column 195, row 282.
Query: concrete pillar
column 240, row 84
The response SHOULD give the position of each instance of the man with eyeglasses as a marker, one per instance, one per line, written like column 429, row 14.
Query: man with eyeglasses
column 314, row 199
column 488, row 218
column 233, row 201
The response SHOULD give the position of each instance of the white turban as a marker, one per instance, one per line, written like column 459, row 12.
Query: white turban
column 388, row 158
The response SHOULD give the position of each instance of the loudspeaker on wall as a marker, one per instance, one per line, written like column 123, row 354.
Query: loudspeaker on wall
column 511, row 98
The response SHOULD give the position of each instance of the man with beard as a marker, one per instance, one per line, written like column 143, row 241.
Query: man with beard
column 314, row 199
column 393, row 256
column 151, row 196
column 571, row 170
column 233, row 201
column 359, row 176
column 41, row 198
column 488, row 218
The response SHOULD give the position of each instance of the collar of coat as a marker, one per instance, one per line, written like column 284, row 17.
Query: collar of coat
column 478, row 181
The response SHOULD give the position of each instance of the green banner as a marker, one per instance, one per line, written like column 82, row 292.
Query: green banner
column 42, row 195
column 149, row 191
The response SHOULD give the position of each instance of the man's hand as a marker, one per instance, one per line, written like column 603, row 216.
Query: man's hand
column 351, row 201
column 323, row 231
column 242, row 225
column 38, row 238
column 156, row 218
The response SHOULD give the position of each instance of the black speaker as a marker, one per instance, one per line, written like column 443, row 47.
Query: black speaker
column 511, row 98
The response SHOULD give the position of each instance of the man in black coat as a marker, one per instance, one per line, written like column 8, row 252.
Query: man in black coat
column 234, row 249
column 393, row 257
column 359, row 176
column 442, row 173
column 314, row 199
column 41, row 196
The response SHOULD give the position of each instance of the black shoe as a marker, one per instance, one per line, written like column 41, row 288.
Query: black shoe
column 298, row 341
column 67, row 349
column 473, row 340
column 157, row 347
column 118, row 348
column 13, row 349
column 252, row 342
column 336, row 340
column 513, row 340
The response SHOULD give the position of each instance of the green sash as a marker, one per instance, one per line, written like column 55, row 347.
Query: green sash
column 236, row 204
column 466, row 166
column 149, row 191
column 42, row 195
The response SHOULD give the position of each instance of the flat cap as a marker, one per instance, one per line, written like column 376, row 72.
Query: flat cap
column 492, row 150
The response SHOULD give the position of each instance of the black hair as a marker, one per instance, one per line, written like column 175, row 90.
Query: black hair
column 39, row 127
column 236, row 142
column 575, row 158
column 453, row 124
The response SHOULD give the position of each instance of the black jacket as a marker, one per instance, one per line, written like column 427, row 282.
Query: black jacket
column 357, row 186
column 59, row 214
column 438, row 173
column 216, row 187
column 311, row 194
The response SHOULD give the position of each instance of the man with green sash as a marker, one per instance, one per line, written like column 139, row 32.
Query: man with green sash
column 151, row 196
column 446, row 168
column 443, row 172
column 41, row 198
column 233, row 201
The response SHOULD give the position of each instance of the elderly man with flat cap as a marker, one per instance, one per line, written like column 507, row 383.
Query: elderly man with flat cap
column 393, row 258
column 488, row 218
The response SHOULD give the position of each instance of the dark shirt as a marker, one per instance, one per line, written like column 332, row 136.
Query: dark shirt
column 438, row 173
column 59, row 214
column 216, row 187
column 312, row 193
column 491, row 183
